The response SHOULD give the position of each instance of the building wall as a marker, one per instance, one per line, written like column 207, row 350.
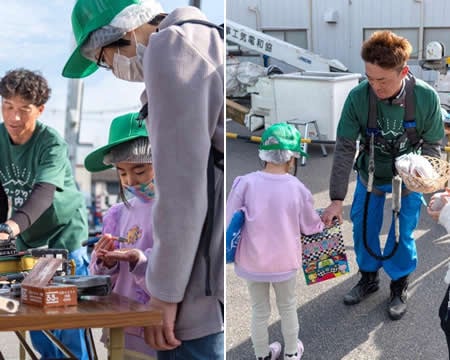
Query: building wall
column 419, row 20
column 240, row 12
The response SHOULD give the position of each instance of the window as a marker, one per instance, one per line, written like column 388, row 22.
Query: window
column 295, row 37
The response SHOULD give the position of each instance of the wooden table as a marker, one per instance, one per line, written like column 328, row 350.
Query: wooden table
column 113, row 311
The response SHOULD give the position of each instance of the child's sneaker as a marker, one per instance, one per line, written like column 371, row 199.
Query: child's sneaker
column 298, row 354
column 275, row 350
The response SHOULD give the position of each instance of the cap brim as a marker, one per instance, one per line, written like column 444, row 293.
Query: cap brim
column 78, row 66
column 94, row 161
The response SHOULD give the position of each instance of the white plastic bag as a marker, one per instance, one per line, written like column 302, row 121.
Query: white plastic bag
column 415, row 165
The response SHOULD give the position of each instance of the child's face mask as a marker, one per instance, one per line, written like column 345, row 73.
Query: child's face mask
column 144, row 192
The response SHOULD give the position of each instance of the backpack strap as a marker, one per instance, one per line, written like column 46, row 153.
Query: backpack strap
column 219, row 28
column 372, row 125
column 409, row 122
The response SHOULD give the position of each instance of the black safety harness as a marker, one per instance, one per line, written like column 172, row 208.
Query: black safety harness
column 374, row 137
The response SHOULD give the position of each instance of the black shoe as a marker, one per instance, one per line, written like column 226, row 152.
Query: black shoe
column 398, row 301
column 368, row 284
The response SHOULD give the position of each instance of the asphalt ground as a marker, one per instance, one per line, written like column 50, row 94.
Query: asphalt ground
column 328, row 328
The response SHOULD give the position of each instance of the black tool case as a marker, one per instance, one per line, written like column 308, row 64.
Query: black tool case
column 98, row 285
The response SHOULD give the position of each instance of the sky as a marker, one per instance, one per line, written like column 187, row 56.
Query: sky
column 37, row 35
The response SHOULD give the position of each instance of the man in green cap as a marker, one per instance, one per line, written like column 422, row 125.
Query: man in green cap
column 179, row 56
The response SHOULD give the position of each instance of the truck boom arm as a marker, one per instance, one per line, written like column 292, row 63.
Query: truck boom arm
column 281, row 50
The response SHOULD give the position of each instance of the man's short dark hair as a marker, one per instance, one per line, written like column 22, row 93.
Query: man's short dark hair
column 30, row 86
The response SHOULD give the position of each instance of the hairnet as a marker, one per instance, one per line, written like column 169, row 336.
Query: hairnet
column 276, row 156
column 128, row 19
column 135, row 151
column 135, row 15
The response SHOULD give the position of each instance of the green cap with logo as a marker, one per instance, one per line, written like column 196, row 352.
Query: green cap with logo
column 286, row 137
column 123, row 129
column 88, row 16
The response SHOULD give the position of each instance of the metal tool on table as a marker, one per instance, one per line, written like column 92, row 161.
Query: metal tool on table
column 9, row 305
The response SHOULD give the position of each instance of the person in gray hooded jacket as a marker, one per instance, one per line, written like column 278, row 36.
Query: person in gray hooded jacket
column 179, row 56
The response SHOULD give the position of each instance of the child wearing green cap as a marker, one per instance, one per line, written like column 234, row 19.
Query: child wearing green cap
column 128, row 150
column 278, row 208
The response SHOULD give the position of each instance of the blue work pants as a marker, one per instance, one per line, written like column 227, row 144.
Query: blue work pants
column 404, row 260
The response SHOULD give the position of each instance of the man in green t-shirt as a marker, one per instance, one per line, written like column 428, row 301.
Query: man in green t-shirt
column 45, row 207
column 392, row 94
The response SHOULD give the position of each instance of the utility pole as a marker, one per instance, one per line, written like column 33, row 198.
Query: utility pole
column 195, row 3
column 73, row 117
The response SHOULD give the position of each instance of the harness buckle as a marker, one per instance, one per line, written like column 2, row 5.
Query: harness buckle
column 409, row 124
column 373, row 131
column 371, row 167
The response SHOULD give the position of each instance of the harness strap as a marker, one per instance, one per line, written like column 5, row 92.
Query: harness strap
column 364, row 229
column 409, row 122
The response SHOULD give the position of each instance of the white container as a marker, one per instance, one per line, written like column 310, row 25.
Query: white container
column 310, row 96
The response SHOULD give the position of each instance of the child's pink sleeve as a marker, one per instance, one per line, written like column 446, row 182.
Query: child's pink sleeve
column 234, row 201
column 310, row 221
column 140, row 269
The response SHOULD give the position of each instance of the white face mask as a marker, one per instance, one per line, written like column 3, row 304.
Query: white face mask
column 129, row 69
column 140, row 50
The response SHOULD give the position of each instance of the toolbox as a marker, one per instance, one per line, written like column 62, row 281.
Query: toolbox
column 98, row 285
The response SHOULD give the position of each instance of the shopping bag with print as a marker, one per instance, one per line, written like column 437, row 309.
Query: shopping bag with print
column 323, row 254
column 233, row 235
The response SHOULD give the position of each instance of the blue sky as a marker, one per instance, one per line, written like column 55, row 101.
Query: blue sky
column 37, row 35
